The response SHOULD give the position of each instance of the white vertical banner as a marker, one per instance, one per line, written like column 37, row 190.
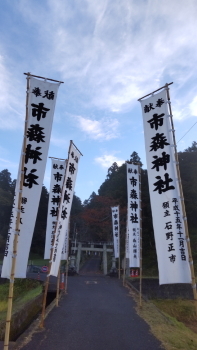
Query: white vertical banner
column 116, row 230
column 168, row 220
column 127, row 242
column 58, row 168
column 133, row 214
column 41, row 105
column 65, row 207
column 64, row 255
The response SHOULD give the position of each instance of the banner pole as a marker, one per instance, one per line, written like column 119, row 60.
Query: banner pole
column 125, row 253
column 50, row 262
column 58, row 287
column 119, row 244
column 66, row 276
column 123, row 279
column 140, row 201
column 66, row 282
column 17, row 231
column 46, row 287
column 193, row 283
column 139, row 99
column 119, row 266
column 37, row 76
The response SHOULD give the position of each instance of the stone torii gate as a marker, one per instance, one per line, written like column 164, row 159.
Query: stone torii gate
column 98, row 247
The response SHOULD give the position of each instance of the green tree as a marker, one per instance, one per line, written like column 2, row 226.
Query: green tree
column 6, row 201
column 5, row 180
column 134, row 158
column 38, row 241
column 112, row 170
column 76, row 223
column 89, row 200
column 193, row 147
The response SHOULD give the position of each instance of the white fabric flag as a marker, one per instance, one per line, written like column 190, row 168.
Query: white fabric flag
column 65, row 207
column 58, row 168
column 116, row 230
column 133, row 214
column 41, row 105
column 64, row 255
column 127, row 242
column 168, row 220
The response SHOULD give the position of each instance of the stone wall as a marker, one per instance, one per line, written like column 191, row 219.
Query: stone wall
column 22, row 318
column 152, row 290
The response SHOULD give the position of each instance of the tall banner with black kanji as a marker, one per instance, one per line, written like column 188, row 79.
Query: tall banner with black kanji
column 168, row 220
column 65, row 248
column 41, row 105
column 116, row 230
column 133, row 210
column 58, row 168
column 127, row 243
column 65, row 207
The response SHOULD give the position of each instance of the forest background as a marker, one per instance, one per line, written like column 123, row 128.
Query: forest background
column 91, row 220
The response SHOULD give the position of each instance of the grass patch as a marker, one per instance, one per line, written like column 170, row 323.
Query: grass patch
column 174, row 335
column 24, row 291
column 183, row 310
column 37, row 260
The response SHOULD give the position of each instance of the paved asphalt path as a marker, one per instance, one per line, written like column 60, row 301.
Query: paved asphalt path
column 92, row 267
column 96, row 314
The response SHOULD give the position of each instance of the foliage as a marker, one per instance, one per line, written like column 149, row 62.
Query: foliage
column 173, row 334
column 134, row 158
column 24, row 291
column 21, row 286
column 76, row 223
column 92, row 219
column 6, row 200
column 97, row 218
column 112, row 170
column 193, row 147
column 5, row 180
column 7, row 188
column 183, row 310
column 38, row 240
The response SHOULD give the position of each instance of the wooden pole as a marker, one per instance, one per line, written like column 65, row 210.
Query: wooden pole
column 119, row 245
column 37, row 76
column 50, row 262
column 119, row 266
column 123, row 280
column 57, row 158
column 182, row 199
column 66, row 282
column 154, row 91
column 140, row 196
column 58, row 287
column 17, row 231
column 125, row 254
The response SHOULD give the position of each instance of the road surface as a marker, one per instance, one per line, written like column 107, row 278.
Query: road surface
column 97, row 314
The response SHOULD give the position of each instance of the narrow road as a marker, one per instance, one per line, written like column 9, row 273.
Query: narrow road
column 96, row 314
column 91, row 267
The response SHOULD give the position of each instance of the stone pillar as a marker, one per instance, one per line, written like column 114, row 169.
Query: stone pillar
column 104, row 259
column 113, row 263
column 78, row 257
column 72, row 261
column 127, row 268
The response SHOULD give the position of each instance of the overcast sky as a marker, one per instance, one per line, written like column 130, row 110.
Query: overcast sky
column 109, row 53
